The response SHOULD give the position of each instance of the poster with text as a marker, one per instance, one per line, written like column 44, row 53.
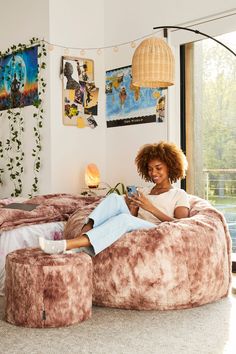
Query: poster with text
column 127, row 104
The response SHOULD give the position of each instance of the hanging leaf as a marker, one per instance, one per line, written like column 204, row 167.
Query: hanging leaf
column 13, row 145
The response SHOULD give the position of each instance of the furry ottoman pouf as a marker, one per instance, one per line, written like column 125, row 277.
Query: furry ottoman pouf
column 47, row 290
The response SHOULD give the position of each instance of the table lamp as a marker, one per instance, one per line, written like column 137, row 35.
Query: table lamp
column 92, row 176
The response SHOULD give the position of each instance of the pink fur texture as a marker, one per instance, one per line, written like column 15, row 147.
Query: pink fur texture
column 47, row 290
column 176, row 265
column 52, row 207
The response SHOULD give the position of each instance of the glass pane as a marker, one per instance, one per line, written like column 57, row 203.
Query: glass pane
column 214, row 113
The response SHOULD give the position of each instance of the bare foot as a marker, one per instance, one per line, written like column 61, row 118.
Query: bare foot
column 87, row 227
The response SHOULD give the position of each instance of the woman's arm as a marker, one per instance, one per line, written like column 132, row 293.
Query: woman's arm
column 181, row 212
column 144, row 203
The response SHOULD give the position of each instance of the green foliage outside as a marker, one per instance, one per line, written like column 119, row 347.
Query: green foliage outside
column 219, row 117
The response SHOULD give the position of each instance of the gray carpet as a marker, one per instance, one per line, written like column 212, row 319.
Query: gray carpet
column 204, row 330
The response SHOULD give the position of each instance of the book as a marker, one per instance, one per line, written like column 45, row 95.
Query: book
column 21, row 206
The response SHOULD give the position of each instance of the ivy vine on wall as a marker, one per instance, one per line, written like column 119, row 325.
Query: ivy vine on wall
column 12, row 154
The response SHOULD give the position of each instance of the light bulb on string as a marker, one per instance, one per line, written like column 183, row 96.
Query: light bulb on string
column 66, row 51
column 50, row 47
column 115, row 49
column 133, row 44
column 99, row 51
column 82, row 52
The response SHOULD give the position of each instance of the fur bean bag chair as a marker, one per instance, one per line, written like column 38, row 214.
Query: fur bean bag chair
column 179, row 264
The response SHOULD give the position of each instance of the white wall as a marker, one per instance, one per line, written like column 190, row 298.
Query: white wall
column 20, row 21
column 123, row 142
column 75, row 24
column 126, row 21
column 66, row 149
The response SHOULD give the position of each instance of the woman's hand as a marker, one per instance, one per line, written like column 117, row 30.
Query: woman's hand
column 133, row 207
column 143, row 202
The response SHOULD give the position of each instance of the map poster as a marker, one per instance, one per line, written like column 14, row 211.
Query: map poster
column 127, row 104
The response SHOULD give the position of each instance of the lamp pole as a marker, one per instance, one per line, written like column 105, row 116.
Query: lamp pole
column 197, row 32
column 165, row 28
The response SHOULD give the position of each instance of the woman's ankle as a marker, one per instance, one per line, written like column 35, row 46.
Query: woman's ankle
column 80, row 241
column 88, row 226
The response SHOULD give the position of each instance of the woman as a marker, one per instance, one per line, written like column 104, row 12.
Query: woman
column 162, row 164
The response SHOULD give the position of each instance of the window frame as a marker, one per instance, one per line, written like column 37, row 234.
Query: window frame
column 214, row 26
column 184, row 98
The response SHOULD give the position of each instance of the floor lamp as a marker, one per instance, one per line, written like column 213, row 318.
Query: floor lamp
column 153, row 61
column 153, row 65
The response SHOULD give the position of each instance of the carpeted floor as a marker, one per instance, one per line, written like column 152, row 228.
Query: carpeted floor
column 207, row 329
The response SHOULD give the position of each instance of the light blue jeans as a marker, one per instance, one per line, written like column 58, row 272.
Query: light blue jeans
column 112, row 219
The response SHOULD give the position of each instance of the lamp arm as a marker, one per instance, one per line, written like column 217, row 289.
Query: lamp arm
column 197, row 32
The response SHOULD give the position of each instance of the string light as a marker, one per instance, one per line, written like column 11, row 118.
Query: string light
column 50, row 47
column 131, row 43
column 99, row 50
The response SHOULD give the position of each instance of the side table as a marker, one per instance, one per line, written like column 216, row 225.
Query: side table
column 99, row 191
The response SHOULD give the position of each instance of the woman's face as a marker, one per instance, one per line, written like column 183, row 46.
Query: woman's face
column 158, row 171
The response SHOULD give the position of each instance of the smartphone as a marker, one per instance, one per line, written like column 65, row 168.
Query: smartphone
column 131, row 190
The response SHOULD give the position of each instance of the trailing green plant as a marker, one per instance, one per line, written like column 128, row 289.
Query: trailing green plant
column 13, row 149
column 38, row 117
column 12, row 154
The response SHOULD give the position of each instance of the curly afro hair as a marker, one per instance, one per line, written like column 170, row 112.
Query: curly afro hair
column 167, row 153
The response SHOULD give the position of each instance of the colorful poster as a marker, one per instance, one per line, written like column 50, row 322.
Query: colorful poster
column 127, row 104
column 18, row 79
column 80, row 95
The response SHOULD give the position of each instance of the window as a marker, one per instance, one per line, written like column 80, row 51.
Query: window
column 209, row 123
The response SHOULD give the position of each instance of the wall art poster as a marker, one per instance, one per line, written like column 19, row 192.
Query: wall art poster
column 127, row 104
column 18, row 79
column 80, row 96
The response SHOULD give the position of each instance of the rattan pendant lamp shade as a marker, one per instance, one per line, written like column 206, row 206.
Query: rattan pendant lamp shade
column 153, row 64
